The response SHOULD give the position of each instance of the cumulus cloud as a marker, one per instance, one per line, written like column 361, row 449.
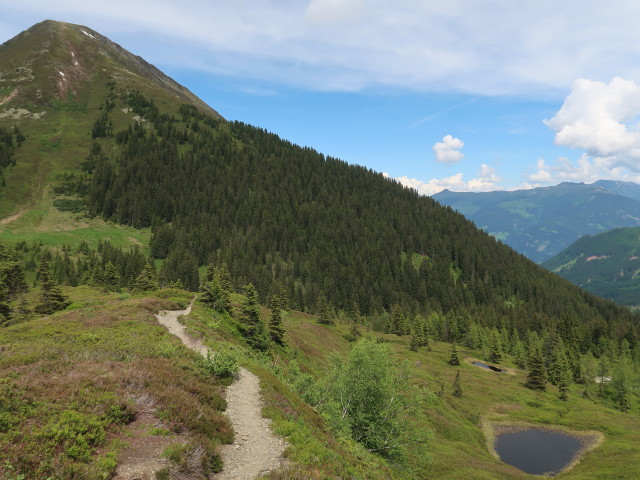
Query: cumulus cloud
column 601, row 119
column 448, row 150
column 486, row 180
column 469, row 46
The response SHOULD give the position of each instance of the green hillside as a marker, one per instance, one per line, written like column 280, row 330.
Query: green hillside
column 55, row 77
column 94, row 364
column 606, row 265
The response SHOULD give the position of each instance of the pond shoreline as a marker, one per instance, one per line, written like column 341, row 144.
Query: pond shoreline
column 589, row 439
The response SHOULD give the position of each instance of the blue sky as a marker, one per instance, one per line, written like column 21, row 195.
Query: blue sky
column 472, row 95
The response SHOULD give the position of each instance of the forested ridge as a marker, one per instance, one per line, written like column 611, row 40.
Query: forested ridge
column 296, row 223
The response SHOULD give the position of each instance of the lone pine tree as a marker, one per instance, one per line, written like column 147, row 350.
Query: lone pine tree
column 457, row 385
column 147, row 280
column 454, row 357
column 252, row 325
column 276, row 329
column 537, row 375
column 51, row 297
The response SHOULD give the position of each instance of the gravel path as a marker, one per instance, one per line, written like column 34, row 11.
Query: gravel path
column 255, row 450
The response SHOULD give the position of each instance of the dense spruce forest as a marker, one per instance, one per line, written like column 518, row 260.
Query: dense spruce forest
column 300, row 225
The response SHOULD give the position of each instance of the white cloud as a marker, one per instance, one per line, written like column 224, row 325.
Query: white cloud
column 472, row 46
column 601, row 119
column 486, row 180
column 333, row 11
column 585, row 169
column 448, row 150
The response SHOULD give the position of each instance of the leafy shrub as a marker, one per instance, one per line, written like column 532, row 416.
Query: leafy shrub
column 223, row 364
column 368, row 397
column 120, row 414
column 69, row 205
column 162, row 474
column 176, row 453
column 214, row 463
column 76, row 433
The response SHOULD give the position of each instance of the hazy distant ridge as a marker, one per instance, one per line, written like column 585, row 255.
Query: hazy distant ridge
column 541, row 222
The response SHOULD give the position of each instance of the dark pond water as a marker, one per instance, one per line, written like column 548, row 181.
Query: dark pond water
column 537, row 451
column 488, row 367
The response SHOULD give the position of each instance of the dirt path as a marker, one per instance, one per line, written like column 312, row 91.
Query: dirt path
column 256, row 450
column 10, row 219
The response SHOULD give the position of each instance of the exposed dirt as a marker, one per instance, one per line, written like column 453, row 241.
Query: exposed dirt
column 143, row 457
column 11, row 96
column 10, row 219
column 255, row 450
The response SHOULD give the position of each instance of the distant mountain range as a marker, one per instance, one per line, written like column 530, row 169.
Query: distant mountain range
column 541, row 222
column 607, row 264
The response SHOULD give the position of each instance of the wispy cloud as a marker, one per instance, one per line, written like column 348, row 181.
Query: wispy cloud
column 440, row 113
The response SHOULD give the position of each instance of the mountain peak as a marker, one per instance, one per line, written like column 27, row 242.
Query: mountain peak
column 55, row 61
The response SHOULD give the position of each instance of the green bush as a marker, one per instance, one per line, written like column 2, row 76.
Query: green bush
column 368, row 396
column 223, row 364
column 176, row 453
column 78, row 434
column 120, row 414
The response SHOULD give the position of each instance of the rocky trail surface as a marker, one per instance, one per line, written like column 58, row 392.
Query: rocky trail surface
column 255, row 450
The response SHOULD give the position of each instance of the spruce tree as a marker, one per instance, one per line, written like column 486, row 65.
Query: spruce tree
column 276, row 329
column 537, row 375
column 22, row 311
column 325, row 310
column 398, row 323
column 457, row 385
column 110, row 276
column 5, row 309
column 621, row 386
column 215, row 294
column 454, row 358
column 253, row 328
column 519, row 355
column 147, row 280
column 563, row 387
column 51, row 297
column 354, row 333
column 225, row 278
column 495, row 353
column 415, row 343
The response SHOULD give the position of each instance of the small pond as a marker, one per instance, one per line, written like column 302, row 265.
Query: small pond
column 537, row 451
column 488, row 367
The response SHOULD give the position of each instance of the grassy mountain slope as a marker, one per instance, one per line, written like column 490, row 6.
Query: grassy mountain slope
column 96, row 358
column 54, row 78
column 540, row 222
column 607, row 264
